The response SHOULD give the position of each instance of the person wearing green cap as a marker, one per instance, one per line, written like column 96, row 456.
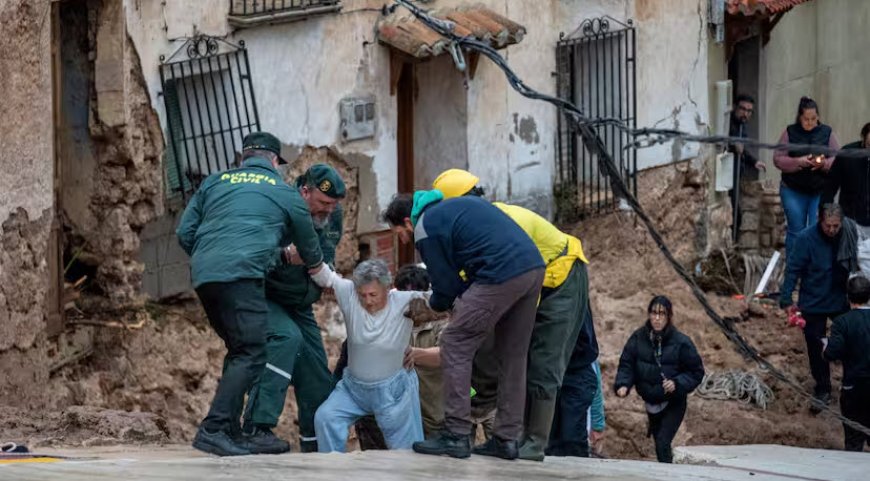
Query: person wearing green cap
column 234, row 228
column 294, row 347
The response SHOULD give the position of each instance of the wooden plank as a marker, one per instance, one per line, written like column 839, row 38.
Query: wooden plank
column 55, row 317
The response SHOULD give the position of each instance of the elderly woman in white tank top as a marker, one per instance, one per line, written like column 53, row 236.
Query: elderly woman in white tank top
column 374, row 382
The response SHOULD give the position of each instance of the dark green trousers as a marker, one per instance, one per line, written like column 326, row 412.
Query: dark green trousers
column 561, row 314
column 294, row 354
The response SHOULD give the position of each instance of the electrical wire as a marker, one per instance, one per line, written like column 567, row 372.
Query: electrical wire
column 595, row 145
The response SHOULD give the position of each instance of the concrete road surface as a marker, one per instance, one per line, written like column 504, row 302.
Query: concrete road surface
column 183, row 463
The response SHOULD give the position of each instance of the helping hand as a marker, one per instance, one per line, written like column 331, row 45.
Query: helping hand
column 410, row 357
column 291, row 255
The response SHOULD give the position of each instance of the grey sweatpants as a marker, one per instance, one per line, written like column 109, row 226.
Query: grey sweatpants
column 508, row 309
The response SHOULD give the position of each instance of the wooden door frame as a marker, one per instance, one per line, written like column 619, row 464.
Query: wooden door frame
column 405, row 143
column 54, row 311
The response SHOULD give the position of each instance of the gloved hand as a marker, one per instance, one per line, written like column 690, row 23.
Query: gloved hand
column 795, row 318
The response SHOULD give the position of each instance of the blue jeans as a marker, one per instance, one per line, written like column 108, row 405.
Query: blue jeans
column 395, row 402
column 801, row 211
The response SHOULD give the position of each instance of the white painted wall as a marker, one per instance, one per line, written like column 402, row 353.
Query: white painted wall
column 302, row 70
column 441, row 130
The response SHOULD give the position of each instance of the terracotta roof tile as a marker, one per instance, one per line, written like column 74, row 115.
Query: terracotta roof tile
column 410, row 36
column 753, row 7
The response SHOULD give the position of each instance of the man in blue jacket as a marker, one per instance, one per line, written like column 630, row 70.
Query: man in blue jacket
column 488, row 270
column 813, row 261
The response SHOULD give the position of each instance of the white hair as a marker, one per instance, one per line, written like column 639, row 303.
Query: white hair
column 372, row 270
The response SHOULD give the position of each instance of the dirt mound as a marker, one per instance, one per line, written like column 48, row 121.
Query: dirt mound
column 82, row 426
column 627, row 269
column 165, row 373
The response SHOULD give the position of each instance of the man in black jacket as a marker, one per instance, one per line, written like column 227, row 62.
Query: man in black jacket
column 850, row 176
column 850, row 343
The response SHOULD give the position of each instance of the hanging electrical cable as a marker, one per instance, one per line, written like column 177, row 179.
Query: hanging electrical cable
column 584, row 127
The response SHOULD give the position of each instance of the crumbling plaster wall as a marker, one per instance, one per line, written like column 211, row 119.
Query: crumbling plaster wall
column 26, row 143
column 127, row 144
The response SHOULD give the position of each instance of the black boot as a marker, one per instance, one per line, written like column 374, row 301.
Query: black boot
column 219, row 443
column 263, row 441
column 445, row 443
column 497, row 447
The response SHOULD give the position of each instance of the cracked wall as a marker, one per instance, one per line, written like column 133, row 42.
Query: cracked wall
column 672, row 74
column 25, row 195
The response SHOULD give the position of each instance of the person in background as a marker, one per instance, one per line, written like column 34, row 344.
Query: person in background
column 746, row 166
column 803, row 169
column 597, row 418
column 663, row 365
column 822, row 296
column 570, row 436
column 850, row 177
column 850, row 343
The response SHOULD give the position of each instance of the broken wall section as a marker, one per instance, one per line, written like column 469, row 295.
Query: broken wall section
column 25, row 195
column 120, row 189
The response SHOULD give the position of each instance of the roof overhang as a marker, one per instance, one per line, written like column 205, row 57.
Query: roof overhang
column 410, row 40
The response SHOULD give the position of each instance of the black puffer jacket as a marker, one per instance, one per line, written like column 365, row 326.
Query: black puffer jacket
column 648, row 359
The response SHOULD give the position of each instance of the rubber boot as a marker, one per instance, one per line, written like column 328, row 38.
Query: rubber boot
column 539, row 421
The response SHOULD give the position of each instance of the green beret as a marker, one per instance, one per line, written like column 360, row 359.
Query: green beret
column 325, row 179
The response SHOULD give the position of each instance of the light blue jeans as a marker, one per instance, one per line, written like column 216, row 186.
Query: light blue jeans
column 801, row 211
column 395, row 402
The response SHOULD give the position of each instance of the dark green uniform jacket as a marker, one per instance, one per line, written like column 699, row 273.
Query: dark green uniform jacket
column 290, row 285
column 236, row 223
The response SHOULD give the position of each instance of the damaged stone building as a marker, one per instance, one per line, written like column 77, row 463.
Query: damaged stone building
column 115, row 110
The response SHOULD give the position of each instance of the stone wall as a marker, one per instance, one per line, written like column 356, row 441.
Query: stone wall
column 763, row 225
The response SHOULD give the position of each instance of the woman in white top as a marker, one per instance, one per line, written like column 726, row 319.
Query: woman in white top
column 374, row 382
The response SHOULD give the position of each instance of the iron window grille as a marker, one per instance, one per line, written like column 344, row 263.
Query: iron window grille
column 596, row 70
column 210, row 107
column 245, row 13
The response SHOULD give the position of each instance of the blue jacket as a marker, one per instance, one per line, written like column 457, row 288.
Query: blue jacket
column 813, row 260
column 468, row 234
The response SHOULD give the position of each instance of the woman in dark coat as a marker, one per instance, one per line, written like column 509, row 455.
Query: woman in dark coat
column 664, row 366
column 804, row 170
